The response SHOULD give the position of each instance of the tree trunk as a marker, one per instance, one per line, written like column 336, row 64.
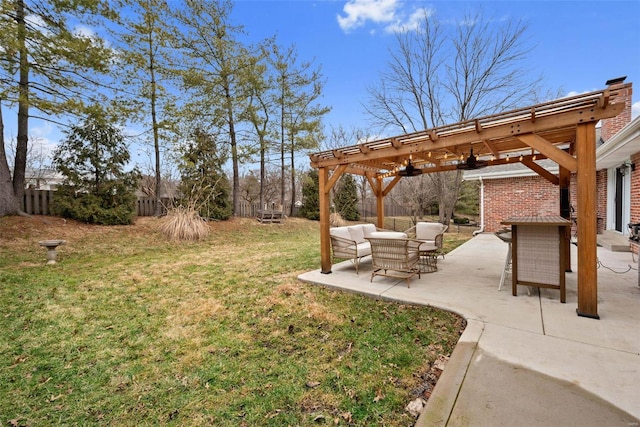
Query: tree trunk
column 9, row 204
column 23, row 106
column 235, row 192
column 293, row 179
column 154, row 121
column 282, row 150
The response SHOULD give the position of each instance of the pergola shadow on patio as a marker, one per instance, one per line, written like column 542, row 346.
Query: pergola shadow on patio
column 562, row 130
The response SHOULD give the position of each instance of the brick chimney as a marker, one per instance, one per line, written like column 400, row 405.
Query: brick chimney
column 613, row 125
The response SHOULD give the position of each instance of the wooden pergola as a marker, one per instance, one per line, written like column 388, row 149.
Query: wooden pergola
column 562, row 130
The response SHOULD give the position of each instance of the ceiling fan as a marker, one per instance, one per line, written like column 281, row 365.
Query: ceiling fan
column 472, row 162
column 409, row 170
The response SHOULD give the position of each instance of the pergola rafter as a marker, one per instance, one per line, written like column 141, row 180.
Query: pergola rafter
column 561, row 130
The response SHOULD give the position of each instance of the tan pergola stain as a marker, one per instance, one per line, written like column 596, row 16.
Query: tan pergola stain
column 561, row 130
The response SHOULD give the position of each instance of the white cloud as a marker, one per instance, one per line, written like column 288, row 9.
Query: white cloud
column 358, row 12
column 45, row 136
column 411, row 23
column 574, row 93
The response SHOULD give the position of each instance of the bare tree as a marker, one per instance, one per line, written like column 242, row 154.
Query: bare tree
column 250, row 187
column 38, row 166
column 435, row 76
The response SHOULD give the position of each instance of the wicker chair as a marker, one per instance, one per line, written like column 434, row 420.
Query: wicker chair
column 395, row 257
column 349, row 242
column 429, row 233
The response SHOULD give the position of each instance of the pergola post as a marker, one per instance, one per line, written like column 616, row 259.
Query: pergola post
column 379, row 203
column 587, row 221
column 325, row 249
column 565, row 212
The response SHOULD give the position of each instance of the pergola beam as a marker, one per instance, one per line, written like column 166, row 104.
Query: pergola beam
column 506, row 131
column 551, row 151
column 528, row 162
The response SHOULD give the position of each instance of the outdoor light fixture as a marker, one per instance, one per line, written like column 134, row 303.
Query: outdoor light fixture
column 472, row 162
column 625, row 167
column 409, row 170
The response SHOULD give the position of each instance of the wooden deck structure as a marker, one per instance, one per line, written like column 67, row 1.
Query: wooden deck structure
column 562, row 130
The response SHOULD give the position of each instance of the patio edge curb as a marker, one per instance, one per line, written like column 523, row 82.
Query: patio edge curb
column 443, row 398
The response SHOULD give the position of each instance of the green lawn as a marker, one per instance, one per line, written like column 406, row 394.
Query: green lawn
column 128, row 329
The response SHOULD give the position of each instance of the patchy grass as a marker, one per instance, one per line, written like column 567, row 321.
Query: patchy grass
column 130, row 329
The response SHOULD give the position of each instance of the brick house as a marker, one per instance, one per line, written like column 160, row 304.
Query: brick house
column 515, row 190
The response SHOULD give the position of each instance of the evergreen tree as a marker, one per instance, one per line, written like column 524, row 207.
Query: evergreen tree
column 96, row 188
column 469, row 199
column 346, row 198
column 215, row 64
column 46, row 69
column 204, row 185
column 310, row 208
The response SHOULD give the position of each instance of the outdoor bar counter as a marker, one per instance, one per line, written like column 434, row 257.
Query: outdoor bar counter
column 538, row 255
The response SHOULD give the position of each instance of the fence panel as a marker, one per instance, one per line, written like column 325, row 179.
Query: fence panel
column 37, row 202
column 146, row 206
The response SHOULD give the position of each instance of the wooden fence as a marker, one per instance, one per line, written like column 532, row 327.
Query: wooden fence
column 146, row 206
column 38, row 202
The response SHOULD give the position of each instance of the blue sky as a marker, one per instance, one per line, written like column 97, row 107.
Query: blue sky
column 577, row 45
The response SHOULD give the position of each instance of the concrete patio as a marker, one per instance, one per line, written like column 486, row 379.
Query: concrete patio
column 525, row 359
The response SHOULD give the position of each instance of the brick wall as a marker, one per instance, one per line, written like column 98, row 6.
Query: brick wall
column 522, row 196
column 635, row 189
column 525, row 196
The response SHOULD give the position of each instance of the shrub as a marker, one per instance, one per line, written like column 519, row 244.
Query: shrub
column 310, row 208
column 346, row 198
column 92, row 209
column 335, row 220
column 460, row 220
column 183, row 224
column 96, row 188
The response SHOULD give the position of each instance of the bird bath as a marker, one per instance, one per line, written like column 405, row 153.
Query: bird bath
column 51, row 246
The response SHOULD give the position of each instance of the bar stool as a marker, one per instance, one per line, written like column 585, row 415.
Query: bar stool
column 505, row 236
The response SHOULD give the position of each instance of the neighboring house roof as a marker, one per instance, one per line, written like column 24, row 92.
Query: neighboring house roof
column 619, row 147
column 516, row 169
column 614, row 152
column 47, row 175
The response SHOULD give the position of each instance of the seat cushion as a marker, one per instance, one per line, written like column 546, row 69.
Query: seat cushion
column 428, row 246
column 428, row 230
column 368, row 229
column 357, row 233
column 364, row 249
column 342, row 232
column 389, row 235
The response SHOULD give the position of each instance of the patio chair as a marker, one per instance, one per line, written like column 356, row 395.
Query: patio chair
column 395, row 257
column 430, row 234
